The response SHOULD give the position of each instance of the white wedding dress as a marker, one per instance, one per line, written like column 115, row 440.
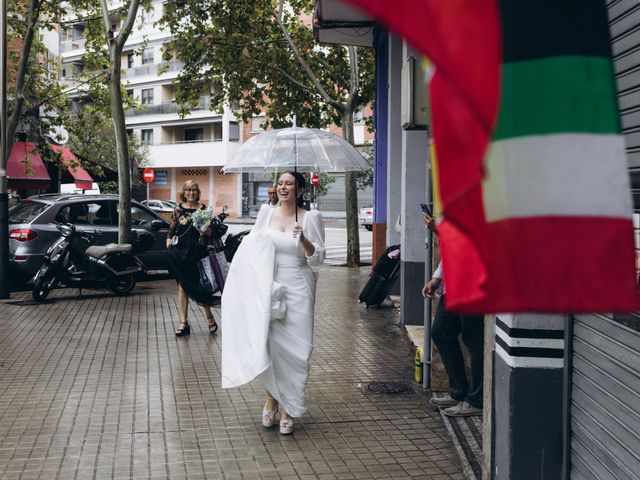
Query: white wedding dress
column 267, row 311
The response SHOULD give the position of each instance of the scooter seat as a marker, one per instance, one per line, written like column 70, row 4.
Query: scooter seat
column 97, row 251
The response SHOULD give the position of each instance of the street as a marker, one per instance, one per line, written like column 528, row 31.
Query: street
column 335, row 241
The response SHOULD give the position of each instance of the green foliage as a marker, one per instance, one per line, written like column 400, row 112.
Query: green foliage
column 364, row 179
column 235, row 51
column 41, row 91
column 92, row 138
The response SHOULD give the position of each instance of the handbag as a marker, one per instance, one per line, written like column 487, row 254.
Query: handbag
column 213, row 269
column 206, row 277
column 220, row 268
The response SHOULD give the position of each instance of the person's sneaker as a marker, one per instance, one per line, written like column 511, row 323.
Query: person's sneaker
column 443, row 402
column 462, row 409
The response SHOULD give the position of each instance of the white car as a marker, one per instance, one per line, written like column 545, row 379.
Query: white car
column 160, row 205
column 365, row 217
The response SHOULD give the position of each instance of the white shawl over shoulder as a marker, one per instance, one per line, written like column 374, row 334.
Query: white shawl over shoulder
column 245, row 324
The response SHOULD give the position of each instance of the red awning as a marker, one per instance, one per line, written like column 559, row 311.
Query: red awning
column 25, row 168
column 69, row 160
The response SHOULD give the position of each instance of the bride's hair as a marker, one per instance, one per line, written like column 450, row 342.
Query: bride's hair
column 300, row 183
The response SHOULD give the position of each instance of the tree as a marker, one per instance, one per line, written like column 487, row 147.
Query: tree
column 104, row 53
column 261, row 56
column 93, row 140
column 32, row 76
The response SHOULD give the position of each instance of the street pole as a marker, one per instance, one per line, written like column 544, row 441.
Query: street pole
column 4, row 197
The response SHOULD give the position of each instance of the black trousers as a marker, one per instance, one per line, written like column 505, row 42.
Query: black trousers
column 447, row 327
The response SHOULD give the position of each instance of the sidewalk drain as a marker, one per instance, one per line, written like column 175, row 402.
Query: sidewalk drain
column 385, row 388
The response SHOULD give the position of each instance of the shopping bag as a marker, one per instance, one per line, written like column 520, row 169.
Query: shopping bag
column 207, row 279
column 220, row 268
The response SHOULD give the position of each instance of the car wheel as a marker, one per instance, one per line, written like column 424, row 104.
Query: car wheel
column 123, row 284
column 43, row 284
column 369, row 227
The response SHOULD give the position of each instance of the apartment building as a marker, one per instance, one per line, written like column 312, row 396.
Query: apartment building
column 194, row 147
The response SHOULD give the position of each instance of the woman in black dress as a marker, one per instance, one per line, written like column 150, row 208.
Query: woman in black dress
column 184, row 254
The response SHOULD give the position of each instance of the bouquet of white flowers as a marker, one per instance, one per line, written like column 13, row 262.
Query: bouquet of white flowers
column 201, row 222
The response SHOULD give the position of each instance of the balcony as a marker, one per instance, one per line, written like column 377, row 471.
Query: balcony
column 167, row 107
column 152, row 69
column 191, row 154
column 72, row 44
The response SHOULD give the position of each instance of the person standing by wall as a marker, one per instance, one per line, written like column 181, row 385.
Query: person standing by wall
column 465, row 397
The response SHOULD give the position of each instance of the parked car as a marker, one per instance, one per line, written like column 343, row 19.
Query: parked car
column 160, row 205
column 32, row 228
column 365, row 216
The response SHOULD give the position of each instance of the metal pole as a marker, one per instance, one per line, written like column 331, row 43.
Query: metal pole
column 4, row 197
column 428, row 272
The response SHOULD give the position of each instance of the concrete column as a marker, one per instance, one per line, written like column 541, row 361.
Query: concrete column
column 414, row 185
column 174, row 184
column 527, row 396
column 226, row 117
column 380, row 148
column 212, row 192
column 394, row 139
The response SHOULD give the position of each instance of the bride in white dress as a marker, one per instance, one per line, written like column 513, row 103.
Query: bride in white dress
column 268, row 304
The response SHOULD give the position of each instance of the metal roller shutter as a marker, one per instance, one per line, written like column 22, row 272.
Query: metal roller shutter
column 605, row 370
column 605, row 399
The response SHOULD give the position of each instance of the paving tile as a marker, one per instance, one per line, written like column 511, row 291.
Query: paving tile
column 99, row 387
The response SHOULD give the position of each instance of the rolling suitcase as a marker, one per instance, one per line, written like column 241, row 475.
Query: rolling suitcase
column 383, row 277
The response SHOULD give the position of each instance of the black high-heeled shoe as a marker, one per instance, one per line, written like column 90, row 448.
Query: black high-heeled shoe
column 183, row 329
column 213, row 325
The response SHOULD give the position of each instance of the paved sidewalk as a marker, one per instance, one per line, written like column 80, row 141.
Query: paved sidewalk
column 100, row 387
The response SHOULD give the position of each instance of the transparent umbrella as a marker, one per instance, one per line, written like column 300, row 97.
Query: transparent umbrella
column 298, row 149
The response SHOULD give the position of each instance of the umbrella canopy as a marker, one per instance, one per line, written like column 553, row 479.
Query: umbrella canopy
column 295, row 148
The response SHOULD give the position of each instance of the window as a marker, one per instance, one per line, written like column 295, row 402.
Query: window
column 147, row 96
column 234, row 132
column 147, row 55
column 147, row 136
column 255, row 123
column 140, row 217
column 193, row 134
column 130, row 57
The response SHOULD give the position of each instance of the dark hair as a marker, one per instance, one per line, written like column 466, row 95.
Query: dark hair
column 300, row 183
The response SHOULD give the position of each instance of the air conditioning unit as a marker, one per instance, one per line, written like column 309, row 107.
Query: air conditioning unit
column 414, row 104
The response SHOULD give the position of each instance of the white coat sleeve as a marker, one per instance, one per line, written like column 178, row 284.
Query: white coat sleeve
column 314, row 231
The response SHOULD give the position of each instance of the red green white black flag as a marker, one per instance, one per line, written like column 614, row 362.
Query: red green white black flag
column 531, row 161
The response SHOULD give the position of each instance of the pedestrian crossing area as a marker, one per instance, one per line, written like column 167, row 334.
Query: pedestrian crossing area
column 337, row 254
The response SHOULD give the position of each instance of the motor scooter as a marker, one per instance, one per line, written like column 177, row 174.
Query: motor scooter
column 219, row 229
column 73, row 261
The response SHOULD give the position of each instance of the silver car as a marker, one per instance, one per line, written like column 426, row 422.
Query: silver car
column 32, row 228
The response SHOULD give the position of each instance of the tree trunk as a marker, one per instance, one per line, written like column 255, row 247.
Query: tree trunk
column 122, row 147
column 23, row 67
column 351, row 199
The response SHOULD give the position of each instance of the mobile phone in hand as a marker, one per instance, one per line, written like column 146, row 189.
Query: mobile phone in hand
column 425, row 209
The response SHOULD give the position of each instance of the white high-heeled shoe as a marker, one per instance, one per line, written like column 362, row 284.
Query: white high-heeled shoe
column 286, row 426
column 269, row 417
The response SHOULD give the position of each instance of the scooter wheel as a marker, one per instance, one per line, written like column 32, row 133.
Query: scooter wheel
column 123, row 284
column 43, row 285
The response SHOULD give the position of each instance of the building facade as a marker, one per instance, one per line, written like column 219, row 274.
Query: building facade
column 191, row 148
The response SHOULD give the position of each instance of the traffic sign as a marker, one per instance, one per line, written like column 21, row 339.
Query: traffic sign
column 148, row 175
column 314, row 179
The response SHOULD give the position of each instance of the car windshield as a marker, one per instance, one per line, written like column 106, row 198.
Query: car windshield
column 26, row 211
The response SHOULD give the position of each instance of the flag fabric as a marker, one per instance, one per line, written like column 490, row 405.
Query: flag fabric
column 531, row 161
